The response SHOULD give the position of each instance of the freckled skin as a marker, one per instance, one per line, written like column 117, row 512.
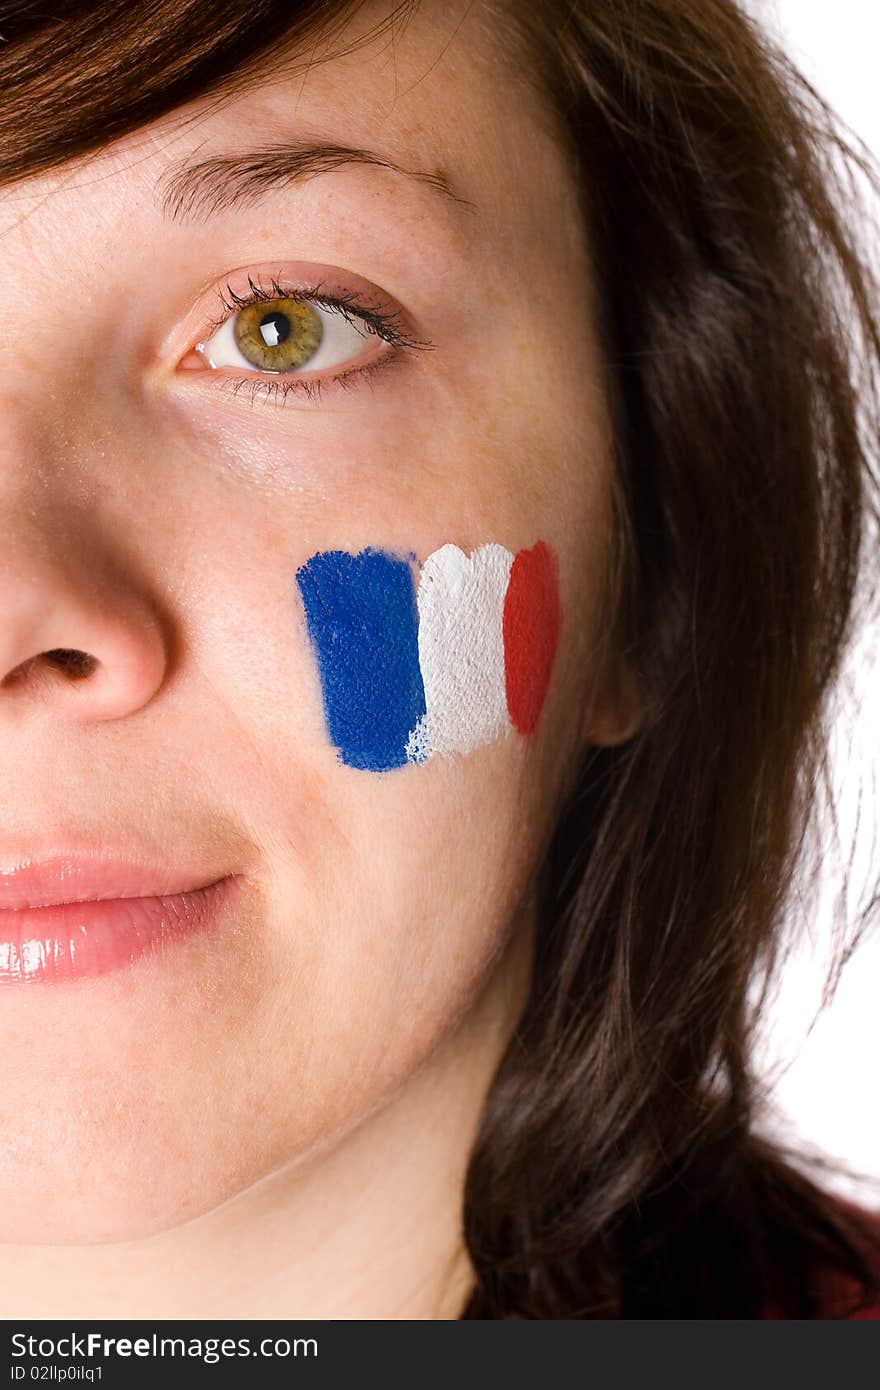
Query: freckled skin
column 320, row 1059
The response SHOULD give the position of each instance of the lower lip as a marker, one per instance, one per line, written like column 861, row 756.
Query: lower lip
column 73, row 941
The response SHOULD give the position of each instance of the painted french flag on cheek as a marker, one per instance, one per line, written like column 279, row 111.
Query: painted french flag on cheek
column 437, row 659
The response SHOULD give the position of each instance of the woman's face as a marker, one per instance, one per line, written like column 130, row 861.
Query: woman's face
column 157, row 520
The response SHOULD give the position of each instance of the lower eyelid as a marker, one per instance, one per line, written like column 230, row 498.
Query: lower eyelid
column 280, row 386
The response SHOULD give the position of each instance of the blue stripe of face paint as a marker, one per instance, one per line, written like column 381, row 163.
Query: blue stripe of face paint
column 363, row 623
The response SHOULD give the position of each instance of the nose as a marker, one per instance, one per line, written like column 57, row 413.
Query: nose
column 75, row 634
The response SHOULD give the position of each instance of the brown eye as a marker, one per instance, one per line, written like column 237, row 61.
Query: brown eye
column 278, row 335
column 286, row 336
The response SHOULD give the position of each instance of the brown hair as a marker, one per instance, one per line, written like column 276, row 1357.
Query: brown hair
column 617, row 1170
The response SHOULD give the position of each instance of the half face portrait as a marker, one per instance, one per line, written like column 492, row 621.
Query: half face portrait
column 399, row 549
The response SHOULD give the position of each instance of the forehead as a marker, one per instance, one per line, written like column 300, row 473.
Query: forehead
column 431, row 91
column 432, row 85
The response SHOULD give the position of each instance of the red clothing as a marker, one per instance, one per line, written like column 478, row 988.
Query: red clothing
column 840, row 1295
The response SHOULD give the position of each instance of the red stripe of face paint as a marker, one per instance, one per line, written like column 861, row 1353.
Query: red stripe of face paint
column 530, row 625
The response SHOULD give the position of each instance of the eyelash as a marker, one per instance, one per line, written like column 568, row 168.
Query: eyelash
column 352, row 306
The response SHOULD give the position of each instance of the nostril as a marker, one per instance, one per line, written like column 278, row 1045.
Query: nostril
column 69, row 661
column 72, row 662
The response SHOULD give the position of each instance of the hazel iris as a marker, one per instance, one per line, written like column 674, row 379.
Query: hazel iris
column 279, row 335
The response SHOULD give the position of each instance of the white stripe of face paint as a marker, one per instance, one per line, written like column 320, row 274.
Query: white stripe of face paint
column 461, row 650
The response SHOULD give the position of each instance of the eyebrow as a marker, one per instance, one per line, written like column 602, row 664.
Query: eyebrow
column 197, row 190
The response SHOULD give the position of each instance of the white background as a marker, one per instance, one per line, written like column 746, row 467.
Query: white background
column 826, row 1077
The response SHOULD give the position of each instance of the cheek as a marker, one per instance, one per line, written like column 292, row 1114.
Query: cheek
column 434, row 791
column 385, row 932
column 438, row 658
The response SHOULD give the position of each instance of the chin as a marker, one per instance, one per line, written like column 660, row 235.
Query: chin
column 104, row 1204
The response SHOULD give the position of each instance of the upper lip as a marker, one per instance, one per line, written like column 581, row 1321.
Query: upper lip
column 45, row 880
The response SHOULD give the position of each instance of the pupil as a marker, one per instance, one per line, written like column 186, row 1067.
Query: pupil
column 274, row 328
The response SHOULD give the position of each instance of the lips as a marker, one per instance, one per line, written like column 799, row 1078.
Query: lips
column 73, row 916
